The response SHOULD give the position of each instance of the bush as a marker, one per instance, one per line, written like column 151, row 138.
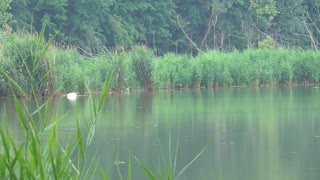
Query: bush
column 267, row 43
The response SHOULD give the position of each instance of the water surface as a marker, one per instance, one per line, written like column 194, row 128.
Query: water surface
column 266, row 133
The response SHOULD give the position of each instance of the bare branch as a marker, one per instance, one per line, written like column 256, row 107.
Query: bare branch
column 310, row 36
column 312, row 21
column 190, row 40
column 211, row 23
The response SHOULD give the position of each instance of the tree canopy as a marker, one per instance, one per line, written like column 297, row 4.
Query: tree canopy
column 183, row 26
column 5, row 17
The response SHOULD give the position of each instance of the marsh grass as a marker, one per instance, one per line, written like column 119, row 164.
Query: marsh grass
column 143, row 65
column 36, row 65
column 167, row 167
column 23, row 58
column 29, row 66
column 172, row 71
column 40, row 154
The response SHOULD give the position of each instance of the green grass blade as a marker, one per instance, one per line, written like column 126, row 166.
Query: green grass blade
column 94, row 108
column 145, row 169
column 80, row 141
column 104, row 174
column 117, row 166
column 92, row 169
column 13, row 82
column 104, row 92
column 11, row 171
column 34, row 150
column 176, row 155
column 46, row 114
column 16, row 155
column 91, row 133
column 129, row 170
column 102, row 99
column 170, row 158
column 53, row 165
column 192, row 161
column 119, row 172
column 66, row 161
column 55, row 123
column 19, row 110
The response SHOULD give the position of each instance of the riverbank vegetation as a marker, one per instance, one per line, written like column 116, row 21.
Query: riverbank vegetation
column 40, row 66
column 156, row 45
column 147, row 45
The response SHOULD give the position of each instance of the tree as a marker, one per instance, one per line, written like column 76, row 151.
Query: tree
column 5, row 16
column 51, row 13
column 289, row 28
column 22, row 11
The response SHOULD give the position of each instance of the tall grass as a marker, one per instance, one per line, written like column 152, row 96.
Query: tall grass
column 167, row 168
column 172, row 71
column 143, row 64
column 23, row 58
column 36, row 65
column 39, row 154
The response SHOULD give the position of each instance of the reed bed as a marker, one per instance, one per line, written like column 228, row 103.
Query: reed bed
column 57, row 70
column 30, row 66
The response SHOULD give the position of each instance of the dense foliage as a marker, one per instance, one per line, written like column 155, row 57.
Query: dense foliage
column 31, row 65
column 180, row 26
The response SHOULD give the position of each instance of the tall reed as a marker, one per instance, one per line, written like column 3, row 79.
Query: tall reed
column 40, row 154
column 32, row 63
column 143, row 64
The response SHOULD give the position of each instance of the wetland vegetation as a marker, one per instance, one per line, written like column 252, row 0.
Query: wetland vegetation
column 32, row 62
column 50, row 48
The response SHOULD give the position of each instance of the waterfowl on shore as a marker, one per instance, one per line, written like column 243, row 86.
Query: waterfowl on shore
column 72, row 96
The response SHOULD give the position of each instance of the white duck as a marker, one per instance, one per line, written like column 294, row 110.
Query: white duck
column 72, row 96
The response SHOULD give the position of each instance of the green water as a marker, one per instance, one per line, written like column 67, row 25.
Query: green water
column 251, row 134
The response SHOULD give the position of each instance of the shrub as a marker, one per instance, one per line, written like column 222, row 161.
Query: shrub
column 267, row 43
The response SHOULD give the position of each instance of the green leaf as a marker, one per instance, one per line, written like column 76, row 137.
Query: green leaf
column 145, row 169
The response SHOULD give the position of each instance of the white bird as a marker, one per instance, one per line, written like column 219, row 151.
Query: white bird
column 72, row 96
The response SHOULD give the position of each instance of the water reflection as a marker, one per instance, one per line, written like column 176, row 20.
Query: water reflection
column 266, row 133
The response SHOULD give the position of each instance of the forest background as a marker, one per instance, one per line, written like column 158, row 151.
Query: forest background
column 182, row 26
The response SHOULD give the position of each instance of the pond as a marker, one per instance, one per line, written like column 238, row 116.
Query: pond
column 246, row 133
